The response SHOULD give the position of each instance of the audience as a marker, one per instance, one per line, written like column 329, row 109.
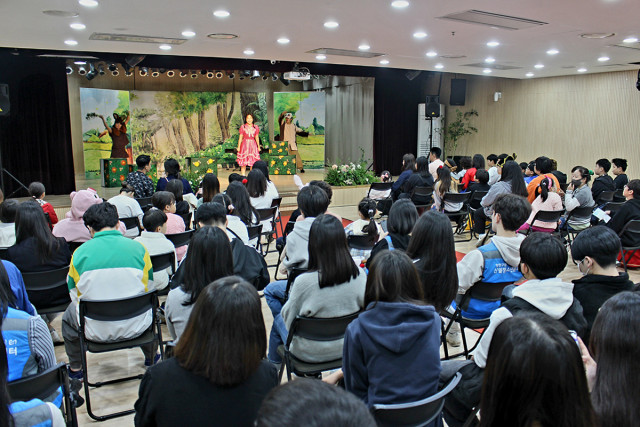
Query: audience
column 408, row 166
column 218, row 374
column 434, row 161
column 209, row 259
column 595, row 250
column 166, row 202
column 578, row 196
column 547, row 199
column 562, row 177
column 619, row 169
column 37, row 191
column 172, row 170
column 272, row 191
column 210, row 188
column 402, row 217
column 235, row 226
column 613, row 372
column 481, row 184
column 127, row 207
column 629, row 211
column 109, row 266
column 534, row 377
column 492, row 161
column 182, row 206
column 530, row 173
column 72, row 228
column 420, row 178
column 470, row 175
column 365, row 226
column 257, row 188
column 443, row 186
column 543, row 168
column 8, row 210
column 141, row 183
column 602, row 182
column 153, row 238
column 242, row 207
column 329, row 191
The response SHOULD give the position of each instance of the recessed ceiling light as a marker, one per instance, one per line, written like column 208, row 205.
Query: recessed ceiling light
column 630, row 40
column 221, row 13
column 331, row 24
column 321, row 57
column 77, row 26
column 165, row 47
column 490, row 60
column 188, row 33
column 364, row 46
column 486, row 71
column 248, row 52
column 432, row 53
column 419, row 34
column 493, row 44
column 70, row 42
column 80, row 62
column 538, row 66
column 582, row 70
column 88, row 3
column 529, row 74
column 553, row 52
column 439, row 66
column 283, row 40
column 603, row 59
column 384, row 61
column 400, row 4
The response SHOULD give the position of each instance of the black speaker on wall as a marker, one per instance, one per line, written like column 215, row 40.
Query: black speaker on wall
column 458, row 91
column 432, row 106
column 4, row 100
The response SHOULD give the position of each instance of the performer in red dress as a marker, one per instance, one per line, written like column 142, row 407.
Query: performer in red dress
column 248, row 144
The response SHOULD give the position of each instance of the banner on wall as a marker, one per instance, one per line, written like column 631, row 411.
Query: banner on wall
column 307, row 111
column 105, row 127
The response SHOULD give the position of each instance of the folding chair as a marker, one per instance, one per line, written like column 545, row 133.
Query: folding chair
column 35, row 282
column 631, row 228
column 491, row 292
column 145, row 203
column 162, row 262
column 384, row 204
column 314, row 329
column 46, row 215
column 275, row 203
column 42, row 386
column 584, row 212
column 187, row 220
column 131, row 223
column 268, row 214
column 475, row 196
column 180, row 239
column 73, row 246
column 255, row 231
column 618, row 196
column 551, row 217
column 422, row 198
column 414, row 414
column 462, row 214
column 605, row 197
column 612, row 207
column 111, row 311
column 291, row 277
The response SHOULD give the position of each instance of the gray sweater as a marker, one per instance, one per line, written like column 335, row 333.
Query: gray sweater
column 297, row 249
column 307, row 299
column 176, row 314
column 500, row 187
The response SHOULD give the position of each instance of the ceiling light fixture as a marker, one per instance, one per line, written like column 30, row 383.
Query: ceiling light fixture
column 101, row 70
column 274, row 76
column 529, row 74
column 490, row 60
column 194, row 74
column 432, row 54
column 630, row 40
column 231, row 74
column 183, row 74
column 364, row 46
column 582, row 70
column 439, row 66
column 486, row 71
column 331, row 24
column 77, row 26
column 539, row 66
column 603, row 59
column 88, row 3
column 210, row 74
column 493, row 44
column 219, row 74
column 80, row 62
column 553, row 52
column 155, row 73
column 399, row 4
column 71, row 42
column 143, row 71
column 419, row 34
column 221, row 14
column 188, row 33
column 248, row 52
column 321, row 57
column 82, row 71
column 165, row 47
column 384, row 62
column 283, row 40
column 171, row 73
column 128, row 73
column 69, row 69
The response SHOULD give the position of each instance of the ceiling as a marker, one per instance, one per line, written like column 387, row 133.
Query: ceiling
column 384, row 28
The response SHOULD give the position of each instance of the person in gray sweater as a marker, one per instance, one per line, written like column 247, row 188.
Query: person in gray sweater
column 333, row 287
column 578, row 195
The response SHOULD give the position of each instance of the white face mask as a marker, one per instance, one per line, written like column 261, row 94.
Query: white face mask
column 584, row 273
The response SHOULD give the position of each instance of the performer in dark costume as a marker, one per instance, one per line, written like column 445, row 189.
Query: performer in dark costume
column 118, row 133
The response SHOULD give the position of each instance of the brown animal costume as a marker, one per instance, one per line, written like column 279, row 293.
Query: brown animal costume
column 288, row 132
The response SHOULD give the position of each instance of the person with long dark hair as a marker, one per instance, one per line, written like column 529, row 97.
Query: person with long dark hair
column 433, row 250
column 333, row 286
column 613, row 371
column 218, row 374
column 444, row 185
column 547, row 199
column 420, row 178
column 248, row 144
column 534, row 377
column 210, row 187
column 408, row 167
column 242, row 204
column 8, row 211
column 209, row 259
column 402, row 217
column 172, row 171
column 272, row 191
column 182, row 206
column 365, row 226
column 257, row 188
column 476, row 163
column 234, row 223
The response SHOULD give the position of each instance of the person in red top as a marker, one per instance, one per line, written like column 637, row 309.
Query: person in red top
column 470, row 176
column 248, row 144
column 37, row 191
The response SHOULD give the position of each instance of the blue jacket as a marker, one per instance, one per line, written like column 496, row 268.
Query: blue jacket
column 17, row 286
column 391, row 353
column 15, row 332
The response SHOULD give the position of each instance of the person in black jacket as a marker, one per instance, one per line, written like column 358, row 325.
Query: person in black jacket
column 420, row 178
column 630, row 210
column 603, row 182
column 402, row 217
column 619, row 169
column 595, row 250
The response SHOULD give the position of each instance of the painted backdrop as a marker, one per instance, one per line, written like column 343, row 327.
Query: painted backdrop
column 308, row 109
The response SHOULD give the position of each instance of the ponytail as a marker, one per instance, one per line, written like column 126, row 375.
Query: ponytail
column 367, row 207
column 543, row 189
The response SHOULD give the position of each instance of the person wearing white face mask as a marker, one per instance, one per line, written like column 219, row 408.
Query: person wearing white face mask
column 595, row 250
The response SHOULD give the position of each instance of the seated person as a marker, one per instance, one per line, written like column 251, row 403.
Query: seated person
column 603, row 182
column 385, row 176
column 109, row 266
column 476, row 163
column 72, row 227
column 218, row 374
column 630, row 210
column 242, row 207
column 543, row 167
column 37, row 191
column 235, row 226
column 333, row 286
column 444, row 185
column 577, row 195
column 492, row 169
column 182, row 206
column 257, row 188
column 496, row 262
column 402, row 217
column 153, row 238
column 365, row 226
column 141, row 183
column 595, row 250
column 408, row 167
column 619, row 169
column 209, row 187
column 435, row 163
column 562, row 177
column 8, row 210
column 420, row 178
column 172, row 171
column 480, row 184
column 127, row 207
column 166, row 202
column 329, row 191
column 547, row 200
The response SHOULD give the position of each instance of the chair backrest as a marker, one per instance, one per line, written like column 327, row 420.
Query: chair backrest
column 612, row 206
column 74, row 245
column 618, row 196
column 583, row 212
column 46, row 215
column 131, row 223
column 605, row 196
column 117, row 309
column 360, row 242
column 548, row 216
column 275, row 203
column 632, row 227
column 420, row 413
column 254, row 231
column 44, row 280
column 317, row 329
column 478, row 195
column 379, row 186
column 456, row 197
column 164, row 261
column 187, row 220
column 180, row 239
column 145, row 203
column 419, row 190
column 487, row 291
column 267, row 214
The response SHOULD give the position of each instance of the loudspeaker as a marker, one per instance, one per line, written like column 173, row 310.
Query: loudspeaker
column 458, row 91
column 4, row 100
column 432, row 106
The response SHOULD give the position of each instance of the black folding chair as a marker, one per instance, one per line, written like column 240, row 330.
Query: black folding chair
column 46, row 215
column 612, row 207
column 73, row 246
column 42, row 386
column 39, row 282
column 384, row 204
column 632, row 228
column 584, row 212
column 291, row 277
column 268, row 214
column 275, row 203
column 162, row 262
column 490, row 292
column 180, row 239
column 420, row 413
column 550, row 217
column 132, row 223
column 255, row 231
column 314, row 329
column 618, row 197
column 476, row 196
column 145, row 203
column 187, row 220
column 605, row 197
column 112, row 311
column 422, row 198
column 460, row 216
column 363, row 243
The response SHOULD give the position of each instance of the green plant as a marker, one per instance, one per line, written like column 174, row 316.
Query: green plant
column 194, row 178
column 351, row 173
column 457, row 129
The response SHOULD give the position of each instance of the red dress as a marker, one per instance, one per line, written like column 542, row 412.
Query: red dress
column 249, row 152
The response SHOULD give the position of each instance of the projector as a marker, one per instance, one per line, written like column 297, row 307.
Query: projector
column 297, row 75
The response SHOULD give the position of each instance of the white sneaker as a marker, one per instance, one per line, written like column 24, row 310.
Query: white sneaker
column 453, row 336
column 56, row 338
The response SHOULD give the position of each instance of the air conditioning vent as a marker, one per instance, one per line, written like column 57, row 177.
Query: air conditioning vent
column 130, row 38
column 493, row 66
column 494, row 20
column 345, row 52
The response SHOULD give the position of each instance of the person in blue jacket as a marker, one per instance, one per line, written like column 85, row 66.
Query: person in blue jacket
column 408, row 167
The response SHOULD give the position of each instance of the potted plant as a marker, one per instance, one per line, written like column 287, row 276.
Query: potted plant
column 457, row 129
